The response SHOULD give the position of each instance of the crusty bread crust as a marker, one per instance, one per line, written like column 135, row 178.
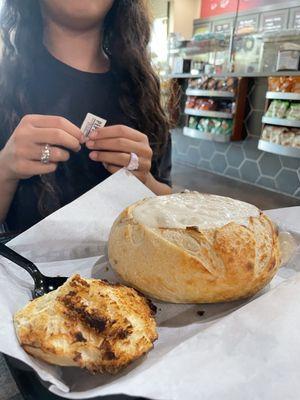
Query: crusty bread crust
column 195, row 266
column 88, row 323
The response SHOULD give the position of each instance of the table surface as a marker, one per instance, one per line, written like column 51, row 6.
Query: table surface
column 21, row 384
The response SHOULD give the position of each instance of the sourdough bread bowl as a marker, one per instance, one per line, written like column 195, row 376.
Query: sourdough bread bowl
column 194, row 248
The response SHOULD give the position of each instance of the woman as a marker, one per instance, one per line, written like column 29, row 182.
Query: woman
column 61, row 60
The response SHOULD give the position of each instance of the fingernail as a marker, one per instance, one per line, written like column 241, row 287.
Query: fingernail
column 93, row 135
column 78, row 148
column 82, row 138
column 93, row 155
column 90, row 143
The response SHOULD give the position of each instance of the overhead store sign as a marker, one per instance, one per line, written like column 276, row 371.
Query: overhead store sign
column 212, row 8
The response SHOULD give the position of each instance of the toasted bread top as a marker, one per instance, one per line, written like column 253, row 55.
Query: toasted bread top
column 88, row 323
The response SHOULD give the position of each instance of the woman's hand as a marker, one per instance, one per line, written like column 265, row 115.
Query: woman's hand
column 112, row 146
column 21, row 156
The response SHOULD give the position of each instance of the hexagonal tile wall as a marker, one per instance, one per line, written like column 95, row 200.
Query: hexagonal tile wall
column 221, row 147
column 270, row 164
column 193, row 155
column 249, row 171
column 254, row 123
column 266, row 182
column 182, row 142
column 218, row 163
column 232, row 172
column 207, row 149
column 287, row 181
column 250, row 148
column 235, row 155
column 290, row 162
column 205, row 165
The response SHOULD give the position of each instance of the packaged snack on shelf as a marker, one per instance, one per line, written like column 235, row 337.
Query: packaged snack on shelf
column 223, row 127
column 212, row 84
column 190, row 102
column 294, row 112
column 216, row 126
column 296, row 141
column 203, row 83
column 287, row 138
column 193, row 122
column 277, row 109
column 296, row 131
column 276, row 134
column 284, row 84
column 192, row 84
column 266, row 133
column 274, row 84
column 198, row 103
column 221, row 85
column 231, row 84
column 296, row 84
column 225, row 106
column 205, row 104
column 280, row 135
column 275, row 137
column 287, row 84
column 273, row 133
column 204, row 125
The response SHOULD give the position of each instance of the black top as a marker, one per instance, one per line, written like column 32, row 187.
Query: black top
column 58, row 89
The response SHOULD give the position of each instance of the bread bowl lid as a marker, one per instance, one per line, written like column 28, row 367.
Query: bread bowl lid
column 193, row 209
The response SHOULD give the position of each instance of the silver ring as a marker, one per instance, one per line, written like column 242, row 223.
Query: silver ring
column 133, row 163
column 45, row 156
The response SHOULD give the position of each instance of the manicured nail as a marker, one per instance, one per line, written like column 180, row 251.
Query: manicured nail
column 90, row 143
column 93, row 155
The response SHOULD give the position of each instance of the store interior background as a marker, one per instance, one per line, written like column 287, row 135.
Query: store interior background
column 237, row 168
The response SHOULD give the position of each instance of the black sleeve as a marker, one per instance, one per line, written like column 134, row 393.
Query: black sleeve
column 162, row 165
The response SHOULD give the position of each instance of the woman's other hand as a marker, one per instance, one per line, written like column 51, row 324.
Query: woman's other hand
column 113, row 146
column 21, row 156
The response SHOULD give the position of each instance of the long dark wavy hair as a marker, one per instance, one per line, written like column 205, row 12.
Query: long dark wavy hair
column 124, row 42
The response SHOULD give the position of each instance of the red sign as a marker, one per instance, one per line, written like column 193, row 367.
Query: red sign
column 211, row 8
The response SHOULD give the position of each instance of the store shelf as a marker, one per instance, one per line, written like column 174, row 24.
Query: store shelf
column 202, row 47
column 283, row 96
column 281, row 122
column 278, row 149
column 205, row 113
column 195, row 50
column 235, row 75
column 196, row 134
column 209, row 93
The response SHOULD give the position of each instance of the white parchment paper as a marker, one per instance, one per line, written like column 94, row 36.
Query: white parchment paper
column 242, row 350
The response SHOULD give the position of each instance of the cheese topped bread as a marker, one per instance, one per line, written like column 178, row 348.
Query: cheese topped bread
column 88, row 323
